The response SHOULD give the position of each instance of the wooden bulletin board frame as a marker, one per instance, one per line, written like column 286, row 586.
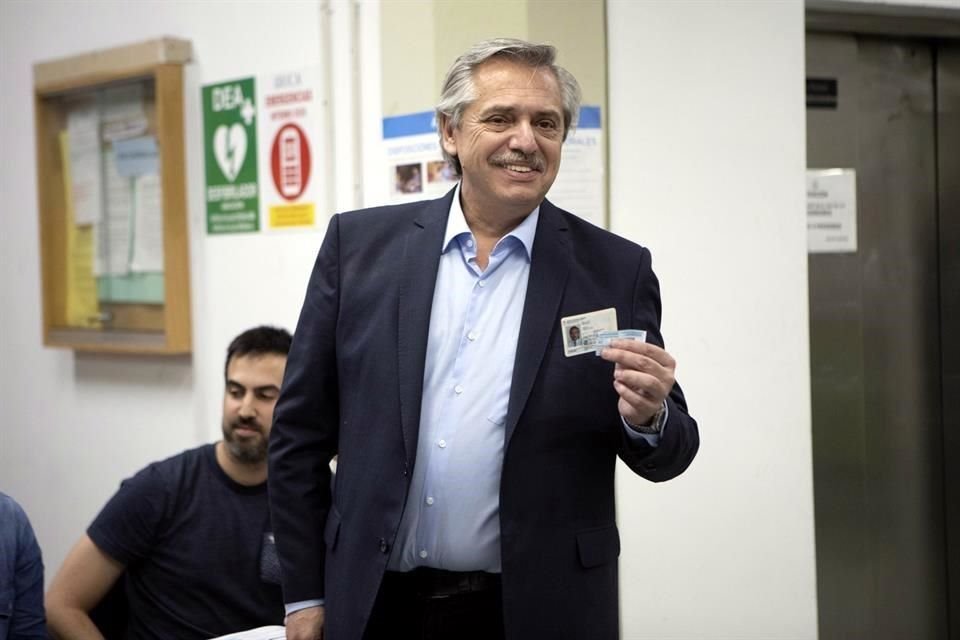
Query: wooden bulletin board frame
column 133, row 328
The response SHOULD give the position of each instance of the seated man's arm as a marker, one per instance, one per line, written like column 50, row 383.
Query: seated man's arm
column 84, row 579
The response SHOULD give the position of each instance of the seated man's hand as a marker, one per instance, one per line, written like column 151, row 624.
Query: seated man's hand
column 305, row 624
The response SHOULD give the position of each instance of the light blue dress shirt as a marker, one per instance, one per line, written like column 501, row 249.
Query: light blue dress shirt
column 451, row 520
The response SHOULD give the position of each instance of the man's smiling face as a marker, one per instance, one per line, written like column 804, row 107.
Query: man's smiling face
column 509, row 138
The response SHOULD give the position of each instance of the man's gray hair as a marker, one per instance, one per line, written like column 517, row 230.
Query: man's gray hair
column 458, row 88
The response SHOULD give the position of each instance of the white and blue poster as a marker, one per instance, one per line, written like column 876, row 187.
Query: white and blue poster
column 416, row 169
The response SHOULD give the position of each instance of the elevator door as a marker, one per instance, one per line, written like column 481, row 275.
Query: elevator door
column 876, row 346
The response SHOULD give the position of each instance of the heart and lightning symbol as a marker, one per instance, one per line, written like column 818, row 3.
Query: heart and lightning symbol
column 230, row 144
column 230, row 149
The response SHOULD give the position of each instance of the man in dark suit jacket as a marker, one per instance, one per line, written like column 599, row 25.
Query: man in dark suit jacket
column 475, row 480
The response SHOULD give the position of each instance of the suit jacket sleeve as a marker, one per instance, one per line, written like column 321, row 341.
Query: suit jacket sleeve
column 680, row 439
column 304, row 434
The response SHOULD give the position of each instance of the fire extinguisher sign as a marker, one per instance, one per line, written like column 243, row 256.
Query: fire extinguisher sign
column 290, row 124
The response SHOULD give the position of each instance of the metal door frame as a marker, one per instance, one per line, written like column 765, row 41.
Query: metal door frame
column 941, row 28
column 864, row 18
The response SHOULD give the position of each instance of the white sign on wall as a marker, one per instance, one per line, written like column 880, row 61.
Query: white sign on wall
column 831, row 211
column 289, row 134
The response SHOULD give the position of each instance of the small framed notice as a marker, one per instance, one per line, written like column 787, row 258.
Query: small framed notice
column 831, row 211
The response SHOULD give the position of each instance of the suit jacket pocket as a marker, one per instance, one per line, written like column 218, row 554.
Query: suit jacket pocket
column 331, row 530
column 598, row 545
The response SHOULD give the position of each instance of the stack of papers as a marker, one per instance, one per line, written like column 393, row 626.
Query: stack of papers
column 260, row 633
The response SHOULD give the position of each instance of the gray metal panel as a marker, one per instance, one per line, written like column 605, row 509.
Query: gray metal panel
column 948, row 147
column 836, row 361
column 875, row 352
column 901, row 340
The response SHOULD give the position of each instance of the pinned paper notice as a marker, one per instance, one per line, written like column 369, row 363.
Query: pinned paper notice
column 831, row 211
column 260, row 633
column 136, row 156
column 83, row 308
column 86, row 186
column 112, row 239
column 147, row 252
column 123, row 112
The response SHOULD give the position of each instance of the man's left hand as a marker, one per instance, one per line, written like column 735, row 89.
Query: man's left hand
column 643, row 376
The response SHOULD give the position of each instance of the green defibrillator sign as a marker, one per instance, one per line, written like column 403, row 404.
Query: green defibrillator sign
column 230, row 150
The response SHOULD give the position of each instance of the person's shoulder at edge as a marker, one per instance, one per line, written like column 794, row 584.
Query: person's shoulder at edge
column 8, row 505
column 21, row 575
column 11, row 511
column 17, row 537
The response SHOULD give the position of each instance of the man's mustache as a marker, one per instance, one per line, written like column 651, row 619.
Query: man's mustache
column 248, row 423
column 533, row 160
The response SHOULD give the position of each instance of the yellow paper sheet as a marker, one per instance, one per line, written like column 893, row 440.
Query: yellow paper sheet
column 83, row 308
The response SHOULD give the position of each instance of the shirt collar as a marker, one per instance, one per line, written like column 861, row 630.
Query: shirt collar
column 525, row 232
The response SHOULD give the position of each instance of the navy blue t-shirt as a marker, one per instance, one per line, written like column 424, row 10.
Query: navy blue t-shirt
column 198, row 550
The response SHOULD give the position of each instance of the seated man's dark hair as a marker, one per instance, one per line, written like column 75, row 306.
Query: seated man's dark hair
column 258, row 341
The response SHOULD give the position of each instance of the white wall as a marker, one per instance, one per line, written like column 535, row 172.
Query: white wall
column 707, row 154
column 74, row 426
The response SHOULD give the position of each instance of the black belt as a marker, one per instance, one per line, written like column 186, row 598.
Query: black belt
column 436, row 583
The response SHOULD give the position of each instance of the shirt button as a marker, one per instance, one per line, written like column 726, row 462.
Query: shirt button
column 429, row 499
column 470, row 243
column 472, row 336
column 383, row 546
column 458, row 389
column 442, row 444
column 482, row 283
column 423, row 553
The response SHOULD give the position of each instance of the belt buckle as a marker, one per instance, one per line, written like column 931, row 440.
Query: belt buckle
column 437, row 584
column 434, row 584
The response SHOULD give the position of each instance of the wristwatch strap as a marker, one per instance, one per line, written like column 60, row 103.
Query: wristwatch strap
column 656, row 423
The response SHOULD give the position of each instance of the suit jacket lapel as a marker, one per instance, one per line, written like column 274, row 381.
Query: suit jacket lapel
column 548, row 276
column 418, row 276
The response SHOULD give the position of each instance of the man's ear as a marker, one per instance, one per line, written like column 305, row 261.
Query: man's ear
column 447, row 139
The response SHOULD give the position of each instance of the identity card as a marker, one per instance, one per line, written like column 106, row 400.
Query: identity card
column 604, row 337
column 580, row 332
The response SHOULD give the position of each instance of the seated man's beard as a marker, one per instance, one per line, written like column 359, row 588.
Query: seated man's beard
column 246, row 450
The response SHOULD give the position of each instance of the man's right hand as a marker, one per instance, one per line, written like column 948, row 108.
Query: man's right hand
column 305, row 624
